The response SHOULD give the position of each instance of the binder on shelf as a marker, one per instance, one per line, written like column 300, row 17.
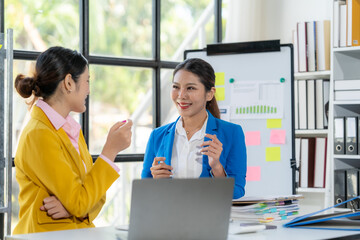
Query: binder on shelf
column 339, row 135
column 304, row 162
column 326, row 92
column 319, row 104
column 343, row 85
column 335, row 221
column 297, row 158
column 310, row 35
column 352, row 181
column 343, row 25
column 320, row 162
column 301, row 30
column 302, row 104
column 349, row 22
column 336, row 24
column 340, row 187
column 347, row 95
column 358, row 134
column 322, row 52
column 296, row 103
column 351, row 136
column 355, row 22
column 311, row 104
column 307, row 160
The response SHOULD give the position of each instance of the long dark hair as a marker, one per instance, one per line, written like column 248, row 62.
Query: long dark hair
column 206, row 74
column 51, row 68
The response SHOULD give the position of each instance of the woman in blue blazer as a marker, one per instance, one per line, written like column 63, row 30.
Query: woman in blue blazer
column 198, row 143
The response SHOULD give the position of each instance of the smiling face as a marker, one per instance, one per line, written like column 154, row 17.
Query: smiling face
column 189, row 94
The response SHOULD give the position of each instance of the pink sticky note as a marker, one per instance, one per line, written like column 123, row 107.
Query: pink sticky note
column 253, row 173
column 277, row 136
column 252, row 138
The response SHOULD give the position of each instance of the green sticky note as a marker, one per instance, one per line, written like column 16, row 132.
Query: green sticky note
column 273, row 123
column 220, row 94
column 273, row 154
column 219, row 78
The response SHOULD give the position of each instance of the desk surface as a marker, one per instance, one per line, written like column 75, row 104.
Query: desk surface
column 110, row 233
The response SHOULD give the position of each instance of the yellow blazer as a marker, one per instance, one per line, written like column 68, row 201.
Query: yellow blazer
column 46, row 164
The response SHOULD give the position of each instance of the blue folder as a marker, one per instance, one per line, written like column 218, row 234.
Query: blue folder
column 344, row 220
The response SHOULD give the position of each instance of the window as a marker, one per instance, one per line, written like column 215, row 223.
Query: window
column 132, row 48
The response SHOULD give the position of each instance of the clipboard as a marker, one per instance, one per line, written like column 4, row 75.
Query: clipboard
column 344, row 220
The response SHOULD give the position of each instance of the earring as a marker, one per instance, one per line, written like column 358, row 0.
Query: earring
column 68, row 91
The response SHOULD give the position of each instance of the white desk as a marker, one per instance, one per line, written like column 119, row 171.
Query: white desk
column 110, row 233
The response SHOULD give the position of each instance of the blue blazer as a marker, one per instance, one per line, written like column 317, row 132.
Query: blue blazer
column 233, row 156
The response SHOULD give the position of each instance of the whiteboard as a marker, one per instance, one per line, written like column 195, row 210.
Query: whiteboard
column 255, row 90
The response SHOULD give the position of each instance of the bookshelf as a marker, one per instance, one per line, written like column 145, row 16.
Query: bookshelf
column 345, row 62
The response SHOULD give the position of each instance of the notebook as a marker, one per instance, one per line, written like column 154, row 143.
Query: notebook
column 180, row 208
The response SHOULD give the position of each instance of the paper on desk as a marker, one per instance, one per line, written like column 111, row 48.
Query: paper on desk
column 269, row 198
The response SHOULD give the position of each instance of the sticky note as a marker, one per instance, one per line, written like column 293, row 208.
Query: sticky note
column 0, row 46
column 273, row 123
column 273, row 154
column 252, row 138
column 277, row 136
column 253, row 173
column 220, row 94
column 219, row 78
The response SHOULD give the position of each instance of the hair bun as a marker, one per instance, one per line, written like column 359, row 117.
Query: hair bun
column 26, row 85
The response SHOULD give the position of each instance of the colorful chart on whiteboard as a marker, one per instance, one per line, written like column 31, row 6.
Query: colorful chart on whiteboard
column 257, row 100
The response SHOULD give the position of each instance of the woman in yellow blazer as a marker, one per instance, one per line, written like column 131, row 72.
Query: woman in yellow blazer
column 60, row 187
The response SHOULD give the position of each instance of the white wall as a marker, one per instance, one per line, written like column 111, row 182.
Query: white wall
column 254, row 20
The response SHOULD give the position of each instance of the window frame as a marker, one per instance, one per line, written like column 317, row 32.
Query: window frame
column 156, row 64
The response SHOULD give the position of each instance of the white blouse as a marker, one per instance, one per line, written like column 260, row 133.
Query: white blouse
column 186, row 158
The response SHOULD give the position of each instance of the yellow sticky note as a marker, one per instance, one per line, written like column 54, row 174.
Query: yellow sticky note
column 273, row 154
column 219, row 78
column 0, row 46
column 273, row 123
column 220, row 94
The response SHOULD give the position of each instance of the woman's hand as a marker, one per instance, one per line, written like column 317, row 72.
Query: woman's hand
column 118, row 139
column 54, row 208
column 213, row 150
column 159, row 169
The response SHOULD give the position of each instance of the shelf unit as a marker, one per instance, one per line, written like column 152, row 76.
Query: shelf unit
column 312, row 133
column 345, row 62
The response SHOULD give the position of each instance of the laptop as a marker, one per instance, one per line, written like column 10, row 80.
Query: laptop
column 180, row 208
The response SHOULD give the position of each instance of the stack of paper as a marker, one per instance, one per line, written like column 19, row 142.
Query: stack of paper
column 266, row 209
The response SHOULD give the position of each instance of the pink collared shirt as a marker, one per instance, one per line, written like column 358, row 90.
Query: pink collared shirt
column 70, row 126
